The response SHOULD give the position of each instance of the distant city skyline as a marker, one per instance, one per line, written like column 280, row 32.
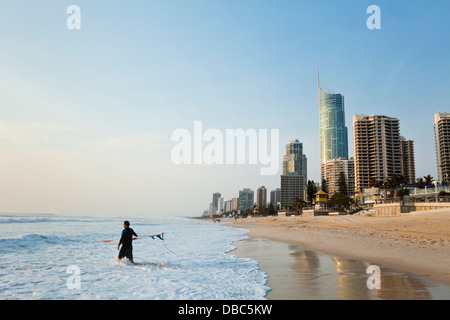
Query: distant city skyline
column 87, row 114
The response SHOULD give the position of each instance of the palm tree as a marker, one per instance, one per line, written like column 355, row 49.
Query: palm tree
column 428, row 180
column 343, row 183
column 421, row 183
column 271, row 209
column 374, row 183
column 324, row 186
column 297, row 206
column 311, row 189
column 397, row 181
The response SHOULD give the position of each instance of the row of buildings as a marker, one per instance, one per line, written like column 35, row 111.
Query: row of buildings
column 380, row 153
column 293, row 185
column 244, row 202
column 293, row 182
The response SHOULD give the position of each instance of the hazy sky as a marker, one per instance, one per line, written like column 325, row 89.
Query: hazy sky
column 87, row 115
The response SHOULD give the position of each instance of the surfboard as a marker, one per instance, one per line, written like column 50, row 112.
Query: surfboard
column 159, row 235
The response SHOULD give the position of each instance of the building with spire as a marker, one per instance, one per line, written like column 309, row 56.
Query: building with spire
column 333, row 132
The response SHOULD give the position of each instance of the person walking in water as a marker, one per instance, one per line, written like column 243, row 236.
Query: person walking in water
column 126, row 241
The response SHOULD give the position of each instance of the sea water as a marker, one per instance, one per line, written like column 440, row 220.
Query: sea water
column 62, row 257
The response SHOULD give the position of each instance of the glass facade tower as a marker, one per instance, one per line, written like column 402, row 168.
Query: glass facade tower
column 333, row 132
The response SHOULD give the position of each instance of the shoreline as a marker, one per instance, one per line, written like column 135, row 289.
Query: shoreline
column 296, row 273
column 418, row 242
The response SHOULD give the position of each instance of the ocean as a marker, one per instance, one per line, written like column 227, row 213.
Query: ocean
column 55, row 257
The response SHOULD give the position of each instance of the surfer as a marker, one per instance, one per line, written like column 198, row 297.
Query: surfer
column 126, row 241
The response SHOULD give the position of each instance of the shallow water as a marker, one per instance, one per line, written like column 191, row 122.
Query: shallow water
column 60, row 257
column 298, row 274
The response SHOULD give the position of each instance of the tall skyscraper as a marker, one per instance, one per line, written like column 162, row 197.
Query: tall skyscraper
column 378, row 153
column 294, row 161
column 408, row 162
column 246, row 199
column 333, row 132
column 293, row 179
column 220, row 205
column 215, row 201
column 261, row 197
column 211, row 210
column 227, row 206
column 442, row 137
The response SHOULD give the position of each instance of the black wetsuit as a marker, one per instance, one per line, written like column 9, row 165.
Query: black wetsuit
column 126, row 241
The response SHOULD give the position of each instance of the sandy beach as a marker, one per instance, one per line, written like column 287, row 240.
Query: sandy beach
column 418, row 242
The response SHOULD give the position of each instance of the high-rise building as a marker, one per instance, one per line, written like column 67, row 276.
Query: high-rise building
column 408, row 162
column 292, row 186
column 261, row 197
column 227, row 206
column 246, row 199
column 333, row 132
column 275, row 197
column 294, row 161
column 215, row 200
column 211, row 210
column 378, row 154
column 332, row 170
column 235, row 204
column 442, row 137
column 220, row 205
column 293, row 179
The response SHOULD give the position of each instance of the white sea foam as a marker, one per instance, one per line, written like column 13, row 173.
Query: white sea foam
column 192, row 263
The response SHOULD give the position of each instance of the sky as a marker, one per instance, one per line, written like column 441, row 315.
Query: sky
column 86, row 116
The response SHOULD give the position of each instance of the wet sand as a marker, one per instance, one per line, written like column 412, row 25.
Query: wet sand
column 418, row 243
column 295, row 273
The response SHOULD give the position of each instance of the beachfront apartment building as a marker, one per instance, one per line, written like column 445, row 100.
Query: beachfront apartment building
column 261, row 197
column 234, row 204
column 408, row 161
column 442, row 138
column 227, row 206
column 220, row 205
column 275, row 197
column 293, row 179
column 215, row 199
column 332, row 170
column 294, row 161
column 246, row 199
column 292, row 186
column 380, row 153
